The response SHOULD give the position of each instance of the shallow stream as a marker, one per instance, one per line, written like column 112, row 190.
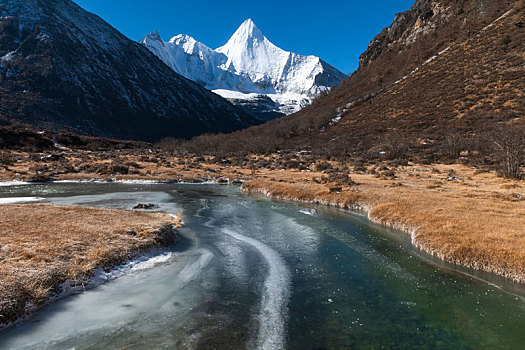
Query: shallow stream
column 252, row 273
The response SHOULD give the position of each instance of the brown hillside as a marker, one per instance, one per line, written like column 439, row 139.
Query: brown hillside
column 443, row 65
column 470, row 85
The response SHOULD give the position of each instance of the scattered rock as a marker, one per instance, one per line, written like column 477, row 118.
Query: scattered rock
column 40, row 179
column 336, row 189
column 146, row 206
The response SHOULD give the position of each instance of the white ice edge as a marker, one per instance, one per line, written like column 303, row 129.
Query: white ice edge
column 13, row 183
column 123, row 182
column 145, row 261
column 275, row 295
column 130, row 182
column 310, row 212
column 14, row 200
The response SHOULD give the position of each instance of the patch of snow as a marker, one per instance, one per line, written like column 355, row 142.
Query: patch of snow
column 422, row 65
column 42, row 36
column 8, row 57
column 143, row 262
column 288, row 103
column 14, row 200
column 497, row 20
column 303, row 153
column 337, row 119
column 59, row 145
column 139, row 182
column 13, row 183
column 310, row 212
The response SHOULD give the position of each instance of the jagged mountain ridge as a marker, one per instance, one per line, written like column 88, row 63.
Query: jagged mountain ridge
column 248, row 66
column 64, row 68
column 416, row 35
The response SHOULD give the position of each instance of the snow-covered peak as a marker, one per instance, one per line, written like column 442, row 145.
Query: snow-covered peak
column 250, row 64
column 189, row 44
column 184, row 40
column 250, row 52
column 247, row 32
column 153, row 39
column 154, row 35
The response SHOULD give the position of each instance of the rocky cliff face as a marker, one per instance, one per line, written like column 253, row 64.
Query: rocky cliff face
column 64, row 68
column 443, row 19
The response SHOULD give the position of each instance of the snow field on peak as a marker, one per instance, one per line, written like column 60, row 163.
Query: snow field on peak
column 247, row 66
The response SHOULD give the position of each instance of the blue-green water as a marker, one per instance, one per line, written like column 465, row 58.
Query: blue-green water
column 252, row 273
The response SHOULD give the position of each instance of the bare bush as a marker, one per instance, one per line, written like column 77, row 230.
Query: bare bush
column 171, row 145
column 509, row 144
column 6, row 160
column 453, row 145
column 395, row 145
column 323, row 166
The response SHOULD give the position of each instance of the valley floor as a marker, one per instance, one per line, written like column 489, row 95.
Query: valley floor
column 46, row 250
column 461, row 214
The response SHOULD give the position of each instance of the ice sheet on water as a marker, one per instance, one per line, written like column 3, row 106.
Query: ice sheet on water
column 14, row 200
column 13, row 183
column 275, row 295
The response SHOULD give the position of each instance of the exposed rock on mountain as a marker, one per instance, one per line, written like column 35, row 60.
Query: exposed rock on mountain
column 249, row 69
column 64, row 68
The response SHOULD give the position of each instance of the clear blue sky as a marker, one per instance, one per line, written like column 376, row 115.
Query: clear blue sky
column 338, row 31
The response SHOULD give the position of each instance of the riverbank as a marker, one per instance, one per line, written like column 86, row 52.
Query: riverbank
column 477, row 224
column 462, row 214
column 47, row 250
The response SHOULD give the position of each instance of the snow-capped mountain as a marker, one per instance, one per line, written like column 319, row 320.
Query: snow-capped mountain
column 249, row 66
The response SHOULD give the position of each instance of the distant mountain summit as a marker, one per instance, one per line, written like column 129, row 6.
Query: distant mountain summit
column 249, row 70
column 64, row 68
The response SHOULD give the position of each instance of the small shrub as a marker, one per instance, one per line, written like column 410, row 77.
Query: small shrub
column 453, row 145
column 336, row 189
column 509, row 145
column 506, row 42
column 6, row 160
column 291, row 164
column 396, row 146
column 322, row 166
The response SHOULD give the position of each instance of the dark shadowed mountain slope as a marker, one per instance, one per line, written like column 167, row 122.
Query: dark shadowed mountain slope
column 444, row 66
column 64, row 68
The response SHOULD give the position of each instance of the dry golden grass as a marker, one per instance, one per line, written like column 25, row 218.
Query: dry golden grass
column 307, row 193
column 42, row 246
column 478, row 221
column 456, row 212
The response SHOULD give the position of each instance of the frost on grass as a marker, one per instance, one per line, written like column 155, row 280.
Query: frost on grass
column 44, row 246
